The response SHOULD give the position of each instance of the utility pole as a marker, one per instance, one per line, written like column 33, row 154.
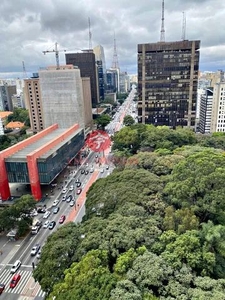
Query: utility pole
column 56, row 51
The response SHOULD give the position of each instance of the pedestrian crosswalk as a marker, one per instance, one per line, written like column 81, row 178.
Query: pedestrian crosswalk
column 26, row 285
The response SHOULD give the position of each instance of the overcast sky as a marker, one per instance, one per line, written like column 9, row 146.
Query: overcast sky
column 27, row 27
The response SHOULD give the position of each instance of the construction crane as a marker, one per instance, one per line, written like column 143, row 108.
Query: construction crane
column 56, row 51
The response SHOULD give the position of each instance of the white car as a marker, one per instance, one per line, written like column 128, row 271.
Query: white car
column 47, row 214
column 55, row 202
column 64, row 190
column 71, row 188
column 64, row 198
column 46, row 224
column 39, row 254
column 16, row 266
column 72, row 203
column 102, row 171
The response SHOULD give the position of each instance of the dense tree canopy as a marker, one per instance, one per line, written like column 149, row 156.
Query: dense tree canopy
column 153, row 230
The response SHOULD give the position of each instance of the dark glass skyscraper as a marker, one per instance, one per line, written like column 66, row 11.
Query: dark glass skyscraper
column 167, row 83
column 85, row 61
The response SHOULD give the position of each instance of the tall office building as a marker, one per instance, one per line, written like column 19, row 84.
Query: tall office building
column 205, row 112
column 55, row 97
column 6, row 93
column 218, row 108
column 167, row 83
column 85, row 61
column 100, row 56
column 101, row 83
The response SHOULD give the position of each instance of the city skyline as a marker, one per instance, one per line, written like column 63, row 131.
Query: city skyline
column 28, row 28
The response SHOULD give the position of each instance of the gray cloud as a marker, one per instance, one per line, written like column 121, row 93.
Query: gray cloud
column 29, row 27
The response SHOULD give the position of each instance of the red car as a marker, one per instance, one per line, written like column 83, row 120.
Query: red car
column 62, row 219
column 15, row 280
column 79, row 191
column 2, row 287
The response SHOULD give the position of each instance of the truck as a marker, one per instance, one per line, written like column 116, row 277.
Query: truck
column 36, row 226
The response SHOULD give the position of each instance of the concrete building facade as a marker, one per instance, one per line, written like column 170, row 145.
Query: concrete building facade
column 62, row 96
column 55, row 97
column 85, row 61
column 88, row 119
column 167, row 83
column 33, row 102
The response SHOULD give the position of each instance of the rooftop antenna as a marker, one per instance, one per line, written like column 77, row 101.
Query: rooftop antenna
column 162, row 32
column 115, row 63
column 184, row 27
column 90, row 35
column 24, row 70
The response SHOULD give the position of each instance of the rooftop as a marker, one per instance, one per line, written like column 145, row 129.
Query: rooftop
column 4, row 114
column 21, row 154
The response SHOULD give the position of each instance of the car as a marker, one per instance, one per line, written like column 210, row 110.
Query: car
column 69, row 198
column 107, row 167
column 39, row 254
column 41, row 210
column 55, row 202
column 15, row 266
column 35, row 250
column 71, row 188
column 62, row 219
column 91, row 170
column 15, row 280
column 52, row 225
column 64, row 191
column 79, row 191
column 102, row 171
column 47, row 214
column 33, row 213
column 46, row 224
column 86, row 172
column 72, row 203
column 55, row 209
column 78, row 184
column 64, row 198
column 82, row 171
column 2, row 287
column 77, row 180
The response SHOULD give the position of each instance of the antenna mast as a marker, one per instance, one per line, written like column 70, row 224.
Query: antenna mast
column 24, row 70
column 162, row 33
column 90, row 35
column 184, row 27
column 115, row 63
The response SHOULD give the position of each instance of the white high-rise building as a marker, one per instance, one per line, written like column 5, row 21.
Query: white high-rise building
column 218, row 108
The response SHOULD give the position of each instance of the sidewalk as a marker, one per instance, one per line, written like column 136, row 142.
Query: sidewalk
column 81, row 199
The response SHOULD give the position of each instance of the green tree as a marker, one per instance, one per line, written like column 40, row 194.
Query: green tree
column 197, row 182
column 57, row 255
column 103, row 120
column 128, row 120
column 187, row 249
column 127, row 138
column 88, row 279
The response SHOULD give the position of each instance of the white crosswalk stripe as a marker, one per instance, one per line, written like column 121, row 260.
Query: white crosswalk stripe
column 25, row 284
